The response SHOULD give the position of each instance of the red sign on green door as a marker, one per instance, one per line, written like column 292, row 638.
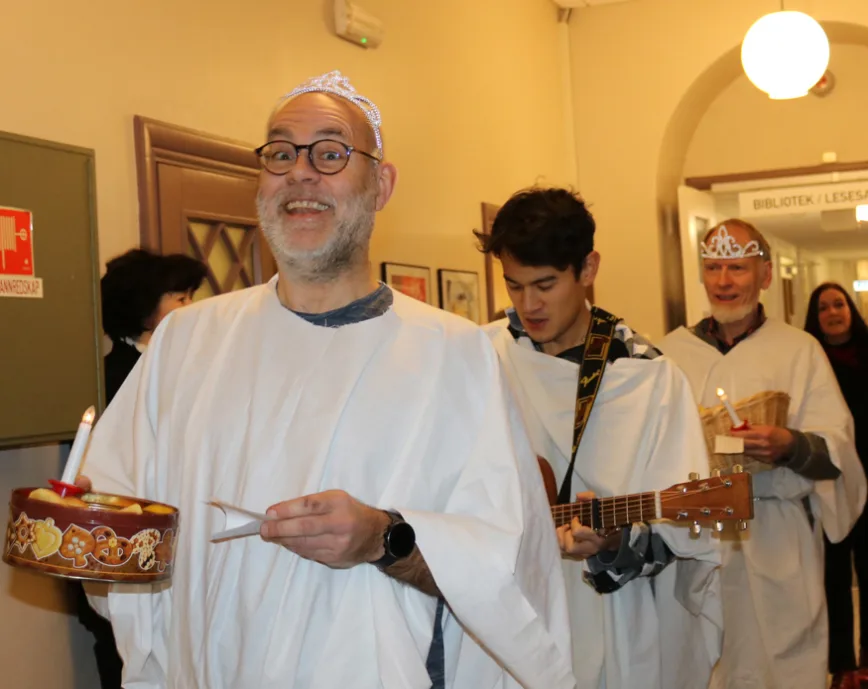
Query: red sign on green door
column 16, row 242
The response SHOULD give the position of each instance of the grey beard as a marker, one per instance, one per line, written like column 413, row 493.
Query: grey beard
column 725, row 315
column 346, row 246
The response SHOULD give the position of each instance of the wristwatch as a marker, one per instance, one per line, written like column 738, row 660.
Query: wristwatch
column 399, row 539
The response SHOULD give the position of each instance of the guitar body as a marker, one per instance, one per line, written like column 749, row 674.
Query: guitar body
column 549, row 481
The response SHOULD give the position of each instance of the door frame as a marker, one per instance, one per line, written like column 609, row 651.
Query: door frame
column 706, row 183
column 92, row 277
column 489, row 211
column 160, row 142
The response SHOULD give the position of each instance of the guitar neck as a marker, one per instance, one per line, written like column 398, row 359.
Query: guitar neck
column 610, row 513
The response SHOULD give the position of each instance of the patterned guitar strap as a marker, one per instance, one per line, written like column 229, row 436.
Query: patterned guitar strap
column 593, row 364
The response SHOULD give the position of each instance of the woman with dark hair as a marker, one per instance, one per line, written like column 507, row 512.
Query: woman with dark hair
column 139, row 289
column 834, row 320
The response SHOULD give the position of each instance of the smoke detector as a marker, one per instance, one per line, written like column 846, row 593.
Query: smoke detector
column 354, row 24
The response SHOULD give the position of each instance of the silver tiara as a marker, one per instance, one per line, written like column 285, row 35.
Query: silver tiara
column 337, row 84
column 723, row 246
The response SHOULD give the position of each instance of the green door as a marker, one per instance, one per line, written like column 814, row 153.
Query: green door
column 50, row 358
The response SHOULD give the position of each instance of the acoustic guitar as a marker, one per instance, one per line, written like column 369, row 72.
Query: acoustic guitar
column 717, row 499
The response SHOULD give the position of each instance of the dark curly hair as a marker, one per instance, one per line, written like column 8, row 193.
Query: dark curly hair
column 135, row 282
column 542, row 227
column 858, row 329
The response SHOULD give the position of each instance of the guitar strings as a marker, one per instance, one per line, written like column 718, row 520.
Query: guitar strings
column 610, row 507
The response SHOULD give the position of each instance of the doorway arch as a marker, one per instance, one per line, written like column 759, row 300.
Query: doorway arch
column 677, row 136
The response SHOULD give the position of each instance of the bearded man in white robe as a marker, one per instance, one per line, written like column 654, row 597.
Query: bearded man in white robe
column 644, row 603
column 407, row 542
column 775, row 626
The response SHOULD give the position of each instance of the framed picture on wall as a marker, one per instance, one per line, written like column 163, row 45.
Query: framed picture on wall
column 459, row 293
column 414, row 281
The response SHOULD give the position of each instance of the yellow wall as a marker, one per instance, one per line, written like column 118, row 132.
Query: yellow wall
column 639, row 67
column 743, row 130
column 473, row 98
column 44, row 647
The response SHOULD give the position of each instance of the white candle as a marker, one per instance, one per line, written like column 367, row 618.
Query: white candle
column 76, row 454
column 736, row 422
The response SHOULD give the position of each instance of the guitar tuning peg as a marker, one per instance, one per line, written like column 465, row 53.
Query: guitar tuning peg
column 718, row 526
column 715, row 473
column 695, row 529
column 741, row 525
column 693, row 476
column 737, row 469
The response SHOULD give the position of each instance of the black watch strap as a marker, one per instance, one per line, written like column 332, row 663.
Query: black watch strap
column 394, row 551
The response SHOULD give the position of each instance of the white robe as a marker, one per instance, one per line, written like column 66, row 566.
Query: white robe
column 240, row 399
column 643, row 434
column 776, row 631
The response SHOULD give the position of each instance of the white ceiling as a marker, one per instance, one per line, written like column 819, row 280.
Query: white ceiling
column 806, row 230
column 570, row 4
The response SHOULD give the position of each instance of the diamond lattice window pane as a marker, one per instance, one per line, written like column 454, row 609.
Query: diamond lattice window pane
column 200, row 231
column 228, row 251
column 204, row 291
column 220, row 261
column 237, row 235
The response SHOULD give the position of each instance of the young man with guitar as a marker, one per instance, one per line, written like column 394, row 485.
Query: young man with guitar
column 636, row 622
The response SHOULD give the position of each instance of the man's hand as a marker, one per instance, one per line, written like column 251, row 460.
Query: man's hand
column 766, row 443
column 331, row 528
column 581, row 542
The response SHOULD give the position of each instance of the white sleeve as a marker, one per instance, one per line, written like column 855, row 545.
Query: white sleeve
column 120, row 459
column 494, row 553
column 687, row 594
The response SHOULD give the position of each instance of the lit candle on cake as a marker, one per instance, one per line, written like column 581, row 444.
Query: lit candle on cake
column 736, row 422
column 76, row 454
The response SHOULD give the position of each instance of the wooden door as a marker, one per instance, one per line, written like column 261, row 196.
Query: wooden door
column 789, row 299
column 697, row 213
column 197, row 196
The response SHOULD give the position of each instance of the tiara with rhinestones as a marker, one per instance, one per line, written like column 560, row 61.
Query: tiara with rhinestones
column 724, row 246
column 337, row 84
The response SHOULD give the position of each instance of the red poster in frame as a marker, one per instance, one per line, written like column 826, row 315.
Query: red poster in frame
column 414, row 281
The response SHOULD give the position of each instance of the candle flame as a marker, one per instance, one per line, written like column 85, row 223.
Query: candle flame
column 720, row 392
column 89, row 416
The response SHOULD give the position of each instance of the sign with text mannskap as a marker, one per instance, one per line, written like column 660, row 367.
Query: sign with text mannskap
column 820, row 197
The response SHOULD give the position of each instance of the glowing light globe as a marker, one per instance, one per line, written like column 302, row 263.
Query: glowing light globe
column 784, row 54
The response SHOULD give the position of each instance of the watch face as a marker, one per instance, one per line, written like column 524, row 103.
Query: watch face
column 402, row 539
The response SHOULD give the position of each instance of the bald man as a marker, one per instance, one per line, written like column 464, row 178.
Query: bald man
column 408, row 542
column 807, row 477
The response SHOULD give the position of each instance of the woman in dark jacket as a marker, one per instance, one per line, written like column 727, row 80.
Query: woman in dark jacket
column 139, row 289
column 834, row 320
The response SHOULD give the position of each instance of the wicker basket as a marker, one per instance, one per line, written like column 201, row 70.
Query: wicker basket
column 762, row 409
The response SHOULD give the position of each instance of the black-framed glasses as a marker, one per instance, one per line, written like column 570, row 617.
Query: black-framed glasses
column 328, row 157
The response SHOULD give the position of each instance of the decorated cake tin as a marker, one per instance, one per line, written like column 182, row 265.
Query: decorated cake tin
column 94, row 536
